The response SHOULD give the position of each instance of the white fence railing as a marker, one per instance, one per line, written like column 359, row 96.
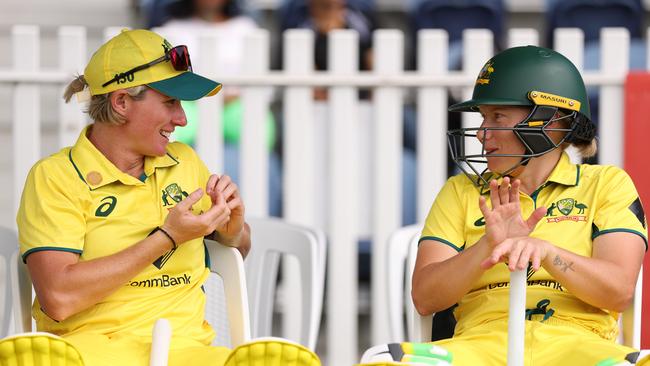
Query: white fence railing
column 342, row 159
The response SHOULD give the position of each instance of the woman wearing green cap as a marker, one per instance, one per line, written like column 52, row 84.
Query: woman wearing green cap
column 112, row 228
column 578, row 229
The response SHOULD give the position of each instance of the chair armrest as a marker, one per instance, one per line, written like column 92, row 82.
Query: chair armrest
column 227, row 262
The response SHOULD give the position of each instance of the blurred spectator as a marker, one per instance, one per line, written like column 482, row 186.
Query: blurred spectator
column 322, row 16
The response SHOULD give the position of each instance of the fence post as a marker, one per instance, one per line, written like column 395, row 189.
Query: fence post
column 254, row 158
column 299, row 161
column 386, row 130
column 569, row 42
column 72, row 60
column 342, row 286
column 478, row 47
column 209, row 137
column 523, row 37
column 300, row 137
column 433, row 51
column 615, row 59
column 27, row 108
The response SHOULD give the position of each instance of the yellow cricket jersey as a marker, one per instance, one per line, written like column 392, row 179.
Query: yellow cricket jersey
column 582, row 201
column 78, row 201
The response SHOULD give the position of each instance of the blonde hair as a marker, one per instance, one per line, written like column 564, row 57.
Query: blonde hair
column 100, row 108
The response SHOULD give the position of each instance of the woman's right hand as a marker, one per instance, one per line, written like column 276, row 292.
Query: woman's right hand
column 183, row 225
column 504, row 220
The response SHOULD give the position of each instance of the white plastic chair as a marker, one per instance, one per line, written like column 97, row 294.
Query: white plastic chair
column 272, row 238
column 228, row 264
column 398, row 252
column 8, row 251
column 225, row 261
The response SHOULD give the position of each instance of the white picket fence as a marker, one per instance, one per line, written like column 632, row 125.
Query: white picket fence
column 342, row 160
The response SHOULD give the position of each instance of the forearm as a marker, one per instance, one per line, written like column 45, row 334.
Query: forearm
column 438, row 285
column 597, row 282
column 82, row 284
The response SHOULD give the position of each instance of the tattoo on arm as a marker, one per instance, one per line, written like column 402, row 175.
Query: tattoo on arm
column 557, row 261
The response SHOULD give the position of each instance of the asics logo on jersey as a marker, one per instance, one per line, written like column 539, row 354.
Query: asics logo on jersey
column 107, row 206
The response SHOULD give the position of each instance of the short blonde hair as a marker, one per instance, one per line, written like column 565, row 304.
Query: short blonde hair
column 100, row 108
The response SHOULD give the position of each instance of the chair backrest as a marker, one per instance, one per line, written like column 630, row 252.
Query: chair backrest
column 8, row 253
column 630, row 322
column 271, row 239
column 419, row 326
column 592, row 15
column 398, row 250
column 21, row 293
column 227, row 263
column 454, row 16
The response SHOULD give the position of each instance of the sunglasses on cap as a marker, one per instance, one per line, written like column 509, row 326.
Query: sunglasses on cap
column 179, row 57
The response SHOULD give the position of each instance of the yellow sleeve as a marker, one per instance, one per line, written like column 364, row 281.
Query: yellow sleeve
column 620, row 207
column 446, row 218
column 51, row 213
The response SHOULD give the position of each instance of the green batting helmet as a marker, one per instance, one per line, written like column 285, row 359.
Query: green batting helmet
column 539, row 78
column 511, row 76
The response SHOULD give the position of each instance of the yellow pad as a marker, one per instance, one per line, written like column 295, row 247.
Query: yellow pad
column 38, row 349
column 272, row 352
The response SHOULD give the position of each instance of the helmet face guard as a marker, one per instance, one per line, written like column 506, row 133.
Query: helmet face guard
column 533, row 132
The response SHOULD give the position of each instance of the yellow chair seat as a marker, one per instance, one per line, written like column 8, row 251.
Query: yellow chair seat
column 38, row 349
column 272, row 352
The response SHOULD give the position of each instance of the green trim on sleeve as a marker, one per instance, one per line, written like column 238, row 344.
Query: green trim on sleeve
column 56, row 249
column 599, row 233
column 443, row 241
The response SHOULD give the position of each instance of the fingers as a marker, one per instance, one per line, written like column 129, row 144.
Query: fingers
column 186, row 204
column 236, row 206
column 518, row 253
column 504, row 191
column 514, row 191
column 211, row 185
column 494, row 194
column 534, row 218
column 227, row 187
column 524, row 258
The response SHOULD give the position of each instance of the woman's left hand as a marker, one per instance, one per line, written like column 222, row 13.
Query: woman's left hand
column 518, row 252
column 232, row 229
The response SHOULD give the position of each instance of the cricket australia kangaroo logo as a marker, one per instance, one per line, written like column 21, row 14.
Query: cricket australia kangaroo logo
column 565, row 207
column 173, row 193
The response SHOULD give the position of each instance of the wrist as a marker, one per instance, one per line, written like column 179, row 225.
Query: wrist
column 169, row 235
column 229, row 240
